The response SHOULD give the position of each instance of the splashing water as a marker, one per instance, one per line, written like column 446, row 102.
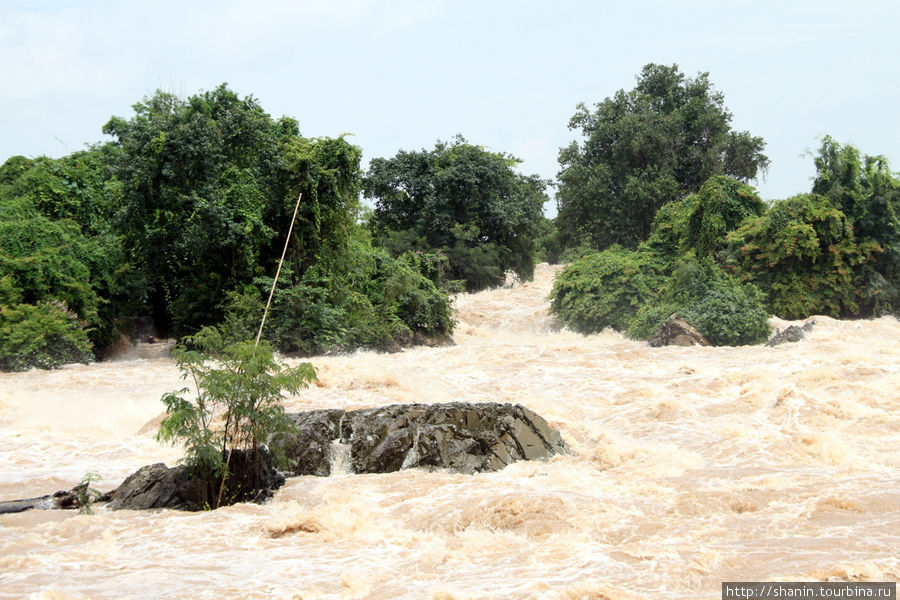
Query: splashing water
column 691, row 466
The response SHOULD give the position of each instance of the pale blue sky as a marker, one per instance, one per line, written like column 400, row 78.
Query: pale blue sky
column 400, row 74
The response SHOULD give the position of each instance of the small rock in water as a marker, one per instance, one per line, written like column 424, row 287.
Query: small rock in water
column 791, row 333
column 678, row 332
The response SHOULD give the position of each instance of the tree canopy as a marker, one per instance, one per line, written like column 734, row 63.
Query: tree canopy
column 460, row 200
column 643, row 149
column 182, row 219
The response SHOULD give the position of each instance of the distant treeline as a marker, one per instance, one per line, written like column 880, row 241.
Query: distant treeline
column 182, row 218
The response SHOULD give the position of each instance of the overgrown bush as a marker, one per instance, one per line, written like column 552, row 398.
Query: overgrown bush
column 718, row 306
column 606, row 289
column 718, row 208
column 803, row 255
column 635, row 291
column 45, row 336
column 377, row 302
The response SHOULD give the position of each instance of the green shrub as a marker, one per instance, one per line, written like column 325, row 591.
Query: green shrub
column 725, row 311
column 240, row 384
column 606, row 289
column 376, row 302
column 803, row 255
column 717, row 305
column 45, row 336
column 635, row 292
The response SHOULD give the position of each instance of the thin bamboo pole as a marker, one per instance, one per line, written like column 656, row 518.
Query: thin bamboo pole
column 278, row 272
column 287, row 240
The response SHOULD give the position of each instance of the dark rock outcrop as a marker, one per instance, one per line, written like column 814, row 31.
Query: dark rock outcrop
column 61, row 499
column 678, row 332
column 790, row 334
column 458, row 436
column 159, row 486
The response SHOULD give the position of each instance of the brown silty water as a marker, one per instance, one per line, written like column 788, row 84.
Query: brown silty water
column 691, row 466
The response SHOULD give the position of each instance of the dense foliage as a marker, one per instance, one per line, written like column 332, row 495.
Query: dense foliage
column 606, row 289
column 461, row 201
column 203, row 181
column 868, row 193
column 804, row 255
column 727, row 312
column 634, row 291
column 727, row 259
column 182, row 219
column 65, row 279
column 643, row 149
column 835, row 251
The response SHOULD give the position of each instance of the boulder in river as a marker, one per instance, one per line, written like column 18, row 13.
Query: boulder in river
column 678, row 332
column 458, row 436
column 159, row 486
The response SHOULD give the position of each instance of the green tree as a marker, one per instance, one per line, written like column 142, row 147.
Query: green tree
column 57, row 238
column 802, row 253
column 643, row 149
column 197, row 179
column 236, row 404
column 462, row 201
column 866, row 191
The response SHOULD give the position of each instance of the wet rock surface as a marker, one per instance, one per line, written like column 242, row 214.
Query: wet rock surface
column 61, row 499
column 159, row 486
column 790, row 334
column 460, row 437
column 678, row 332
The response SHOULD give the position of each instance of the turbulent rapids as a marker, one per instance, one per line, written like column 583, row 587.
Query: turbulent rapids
column 690, row 466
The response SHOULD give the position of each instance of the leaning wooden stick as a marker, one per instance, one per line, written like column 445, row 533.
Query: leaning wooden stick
column 261, row 323
column 278, row 271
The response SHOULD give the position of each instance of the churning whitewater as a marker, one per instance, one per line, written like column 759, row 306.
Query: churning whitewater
column 690, row 466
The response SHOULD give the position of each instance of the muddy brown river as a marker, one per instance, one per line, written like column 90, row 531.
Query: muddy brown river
column 691, row 466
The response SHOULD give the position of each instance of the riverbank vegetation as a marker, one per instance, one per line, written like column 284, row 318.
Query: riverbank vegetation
column 656, row 210
column 179, row 220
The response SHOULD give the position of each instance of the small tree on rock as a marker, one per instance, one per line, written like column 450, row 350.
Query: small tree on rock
column 235, row 405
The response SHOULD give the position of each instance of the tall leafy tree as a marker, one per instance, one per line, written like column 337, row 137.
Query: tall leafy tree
column 644, row 148
column 868, row 193
column 460, row 200
column 198, row 177
column 61, row 257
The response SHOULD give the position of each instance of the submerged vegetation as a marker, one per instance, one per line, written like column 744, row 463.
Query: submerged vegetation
column 180, row 221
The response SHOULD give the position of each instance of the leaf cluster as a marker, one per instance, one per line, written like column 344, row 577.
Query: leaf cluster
column 673, row 272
